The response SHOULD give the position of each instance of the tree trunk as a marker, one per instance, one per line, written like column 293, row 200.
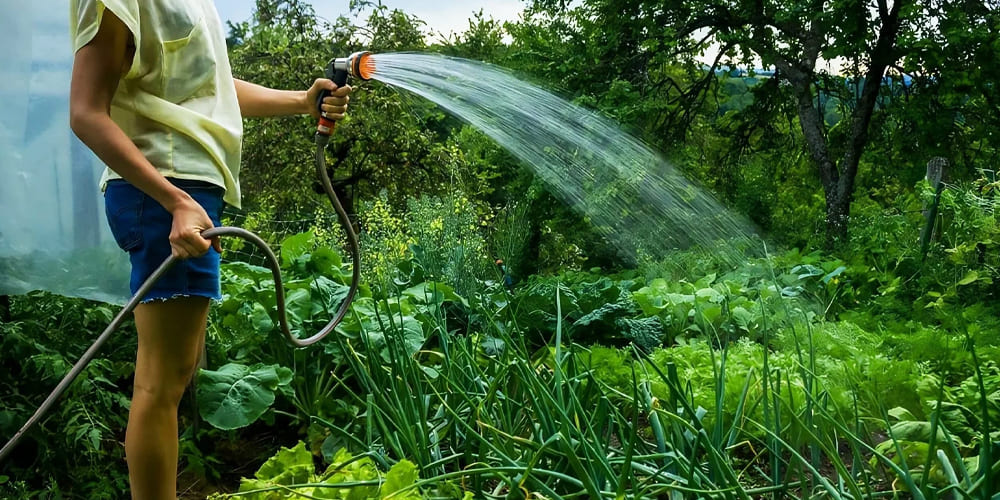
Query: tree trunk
column 838, row 181
column 838, row 215
column 838, row 188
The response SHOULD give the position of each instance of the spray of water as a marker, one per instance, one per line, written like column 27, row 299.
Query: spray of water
column 637, row 199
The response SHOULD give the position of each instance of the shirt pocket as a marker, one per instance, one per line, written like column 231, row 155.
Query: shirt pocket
column 189, row 66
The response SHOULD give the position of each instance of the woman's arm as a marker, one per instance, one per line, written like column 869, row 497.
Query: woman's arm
column 97, row 69
column 258, row 101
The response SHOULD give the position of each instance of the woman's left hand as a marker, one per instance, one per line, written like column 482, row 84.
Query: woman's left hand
column 335, row 105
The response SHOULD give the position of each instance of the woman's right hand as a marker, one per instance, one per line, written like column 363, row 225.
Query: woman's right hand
column 190, row 219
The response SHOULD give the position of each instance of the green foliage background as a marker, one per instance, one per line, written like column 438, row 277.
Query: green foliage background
column 854, row 371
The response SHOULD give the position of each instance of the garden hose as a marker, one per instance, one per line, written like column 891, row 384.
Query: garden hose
column 358, row 65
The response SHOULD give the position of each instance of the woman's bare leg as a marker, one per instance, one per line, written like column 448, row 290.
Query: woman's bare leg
column 171, row 334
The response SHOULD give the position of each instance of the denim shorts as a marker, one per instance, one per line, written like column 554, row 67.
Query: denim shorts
column 141, row 227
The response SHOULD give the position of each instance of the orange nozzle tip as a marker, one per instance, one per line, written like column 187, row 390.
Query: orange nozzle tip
column 366, row 66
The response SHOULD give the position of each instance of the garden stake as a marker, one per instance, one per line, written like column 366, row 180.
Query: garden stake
column 935, row 175
column 357, row 65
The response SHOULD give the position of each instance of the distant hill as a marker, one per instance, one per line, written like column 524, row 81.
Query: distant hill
column 738, row 82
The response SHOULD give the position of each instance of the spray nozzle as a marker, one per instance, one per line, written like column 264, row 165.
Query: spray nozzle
column 357, row 65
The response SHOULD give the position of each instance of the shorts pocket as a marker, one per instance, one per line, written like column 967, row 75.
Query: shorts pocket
column 123, row 205
column 208, row 195
column 189, row 67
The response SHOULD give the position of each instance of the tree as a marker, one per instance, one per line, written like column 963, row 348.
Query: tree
column 482, row 41
column 795, row 37
column 388, row 141
column 949, row 99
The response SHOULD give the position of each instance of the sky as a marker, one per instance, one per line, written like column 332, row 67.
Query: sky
column 441, row 16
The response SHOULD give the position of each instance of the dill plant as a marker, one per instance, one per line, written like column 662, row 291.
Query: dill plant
column 384, row 242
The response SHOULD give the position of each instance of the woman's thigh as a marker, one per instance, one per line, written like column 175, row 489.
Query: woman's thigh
column 171, row 335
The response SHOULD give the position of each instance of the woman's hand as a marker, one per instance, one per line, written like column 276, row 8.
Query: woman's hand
column 335, row 105
column 190, row 219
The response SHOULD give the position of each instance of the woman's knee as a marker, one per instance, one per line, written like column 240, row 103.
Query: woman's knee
column 164, row 385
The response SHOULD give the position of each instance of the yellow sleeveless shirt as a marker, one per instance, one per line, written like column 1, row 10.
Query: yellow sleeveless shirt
column 177, row 102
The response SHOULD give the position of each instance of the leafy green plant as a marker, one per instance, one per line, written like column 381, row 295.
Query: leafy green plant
column 245, row 326
column 291, row 474
column 956, row 449
column 75, row 451
column 384, row 243
column 448, row 243
column 236, row 395
column 509, row 238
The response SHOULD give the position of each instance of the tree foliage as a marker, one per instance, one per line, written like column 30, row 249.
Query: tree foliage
column 784, row 110
column 389, row 141
column 802, row 40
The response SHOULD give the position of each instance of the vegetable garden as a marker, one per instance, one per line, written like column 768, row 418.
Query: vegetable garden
column 859, row 366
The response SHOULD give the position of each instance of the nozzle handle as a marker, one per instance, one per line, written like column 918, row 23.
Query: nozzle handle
column 339, row 77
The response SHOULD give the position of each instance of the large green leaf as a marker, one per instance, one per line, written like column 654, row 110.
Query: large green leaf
column 360, row 318
column 299, row 305
column 406, row 331
column 260, row 319
column 651, row 298
column 326, row 262
column 594, row 295
column 242, row 270
column 606, row 314
column 295, row 246
column 916, row 431
column 328, row 293
column 646, row 333
column 237, row 395
column 345, row 467
column 969, row 278
column 400, row 476
column 743, row 318
column 709, row 294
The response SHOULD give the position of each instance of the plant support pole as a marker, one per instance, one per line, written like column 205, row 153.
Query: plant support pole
column 935, row 174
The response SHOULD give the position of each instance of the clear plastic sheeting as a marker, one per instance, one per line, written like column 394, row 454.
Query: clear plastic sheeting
column 53, row 233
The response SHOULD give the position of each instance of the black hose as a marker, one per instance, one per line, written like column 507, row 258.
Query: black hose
column 352, row 241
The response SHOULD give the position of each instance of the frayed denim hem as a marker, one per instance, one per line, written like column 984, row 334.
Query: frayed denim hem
column 154, row 297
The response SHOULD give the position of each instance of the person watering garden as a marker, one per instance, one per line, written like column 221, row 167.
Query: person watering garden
column 152, row 94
